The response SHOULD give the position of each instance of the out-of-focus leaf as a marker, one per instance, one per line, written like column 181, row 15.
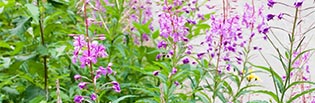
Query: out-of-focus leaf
column 34, row 11
column 32, row 92
column 42, row 50
column 37, row 99
column 4, row 45
column 258, row 101
column 156, row 34
column 300, row 94
column 36, row 68
column 5, row 62
column 123, row 97
column 24, row 57
column 10, row 91
column 22, row 24
column 271, row 94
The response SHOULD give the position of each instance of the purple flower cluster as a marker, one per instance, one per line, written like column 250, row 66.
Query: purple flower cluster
column 226, row 38
column 141, row 10
column 173, row 26
column 90, row 52
column 104, row 71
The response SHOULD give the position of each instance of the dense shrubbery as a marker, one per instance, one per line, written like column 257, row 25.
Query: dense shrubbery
column 142, row 51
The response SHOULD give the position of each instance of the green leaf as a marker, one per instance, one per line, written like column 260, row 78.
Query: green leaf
column 5, row 62
column 36, row 68
column 123, row 97
column 22, row 24
column 142, row 28
column 278, row 79
column 156, row 34
column 300, row 54
column 32, row 92
column 221, row 97
column 34, row 11
column 37, row 99
column 258, row 101
column 42, row 50
column 299, row 82
column 10, row 91
column 300, row 94
column 228, row 87
column 243, row 91
column 204, row 97
column 271, row 94
column 4, row 45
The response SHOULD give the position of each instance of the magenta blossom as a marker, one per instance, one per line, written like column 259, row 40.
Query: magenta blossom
column 280, row 16
column 270, row 16
column 82, row 85
column 155, row 73
column 78, row 99
column 93, row 96
column 174, row 70
column 298, row 3
column 116, row 86
column 162, row 44
column 77, row 77
column 271, row 3
column 186, row 61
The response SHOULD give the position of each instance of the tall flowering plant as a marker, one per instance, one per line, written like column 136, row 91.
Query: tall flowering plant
column 87, row 52
column 229, row 51
column 294, row 60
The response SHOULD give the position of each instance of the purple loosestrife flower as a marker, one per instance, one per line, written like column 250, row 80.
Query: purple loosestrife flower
column 162, row 44
column 79, row 42
column 77, row 77
column 270, row 16
column 298, row 3
column 93, row 96
column 228, row 67
column 96, row 51
column 174, row 70
column 307, row 68
column 176, row 83
column 271, row 3
column 158, row 56
column 280, row 16
column 248, row 18
column 109, row 68
column 116, row 86
column 145, row 37
column 82, row 85
column 263, row 28
column 87, row 58
column 78, row 99
column 155, row 73
column 200, row 55
column 186, row 61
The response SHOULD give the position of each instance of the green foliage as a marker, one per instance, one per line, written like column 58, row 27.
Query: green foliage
column 24, row 48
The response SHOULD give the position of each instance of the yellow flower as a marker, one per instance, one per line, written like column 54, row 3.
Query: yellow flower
column 252, row 76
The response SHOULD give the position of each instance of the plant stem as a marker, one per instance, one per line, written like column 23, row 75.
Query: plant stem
column 287, row 81
column 43, row 44
column 89, row 49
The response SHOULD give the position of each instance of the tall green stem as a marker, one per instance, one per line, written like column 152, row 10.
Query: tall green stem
column 287, row 81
